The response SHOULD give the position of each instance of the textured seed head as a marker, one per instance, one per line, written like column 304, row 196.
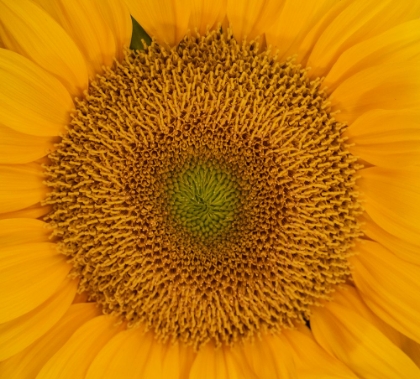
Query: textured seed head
column 205, row 192
column 203, row 199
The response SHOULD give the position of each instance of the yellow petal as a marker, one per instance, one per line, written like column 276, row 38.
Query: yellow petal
column 333, row 10
column 389, row 286
column 360, row 345
column 293, row 24
column 397, row 45
column 75, row 357
column 249, row 19
column 34, row 211
column 388, row 86
column 31, row 100
column 29, row 274
column 312, row 361
column 163, row 362
column 28, row 30
column 387, row 138
column 357, row 22
column 81, row 298
column 219, row 363
column 349, row 297
column 172, row 363
column 28, row 363
column 402, row 249
column 117, row 16
column 390, row 155
column 20, row 148
column 392, row 199
column 85, row 24
column 20, row 186
column 21, row 332
column 269, row 358
column 131, row 354
column 19, row 253
column 47, row 5
column 381, row 126
column 207, row 15
column 187, row 356
column 412, row 349
column 18, row 231
column 119, row 357
column 165, row 20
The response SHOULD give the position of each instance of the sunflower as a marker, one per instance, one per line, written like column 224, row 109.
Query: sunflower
column 235, row 196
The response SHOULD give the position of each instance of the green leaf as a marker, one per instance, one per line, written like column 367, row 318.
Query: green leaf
column 139, row 34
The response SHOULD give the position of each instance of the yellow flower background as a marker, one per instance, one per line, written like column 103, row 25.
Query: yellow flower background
column 368, row 53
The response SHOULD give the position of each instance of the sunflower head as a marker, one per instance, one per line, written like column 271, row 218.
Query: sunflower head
column 232, row 194
column 217, row 176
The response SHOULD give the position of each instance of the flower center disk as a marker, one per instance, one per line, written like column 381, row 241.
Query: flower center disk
column 205, row 192
column 203, row 199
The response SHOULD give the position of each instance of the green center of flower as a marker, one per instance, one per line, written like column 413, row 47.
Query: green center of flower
column 203, row 199
column 205, row 192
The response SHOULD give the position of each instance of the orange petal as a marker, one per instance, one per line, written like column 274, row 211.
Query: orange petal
column 249, row 19
column 21, row 332
column 315, row 31
column 29, row 274
column 412, row 349
column 77, row 354
column 20, row 148
column 389, row 286
column 360, row 345
column 119, row 357
column 20, row 186
column 392, row 199
column 401, row 248
column 387, row 86
column 398, row 45
column 28, row 30
column 165, row 20
column 31, row 100
column 132, row 354
column 293, row 24
column 220, row 363
column 34, row 211
column 268, row 357
column 349, row 297
column 357, row 22
column 207, row 15
column 387, row 138
column 28, row 363
column 18, row 231
column 84, row 23
column 312, row 361
column 163, row 361
column 117, row 16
